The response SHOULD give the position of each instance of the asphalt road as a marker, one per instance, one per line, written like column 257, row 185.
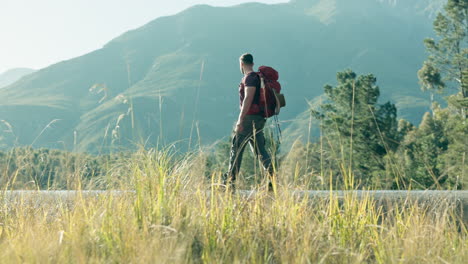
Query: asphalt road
column 433, row 200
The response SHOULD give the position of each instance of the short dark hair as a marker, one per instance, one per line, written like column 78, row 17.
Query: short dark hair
column 247, row 58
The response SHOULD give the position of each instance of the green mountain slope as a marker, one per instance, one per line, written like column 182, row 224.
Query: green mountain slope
column 176, row 77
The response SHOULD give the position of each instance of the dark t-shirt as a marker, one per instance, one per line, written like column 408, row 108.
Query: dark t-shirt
column 249, row 80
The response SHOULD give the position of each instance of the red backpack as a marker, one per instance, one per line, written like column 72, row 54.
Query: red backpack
column 271, row 99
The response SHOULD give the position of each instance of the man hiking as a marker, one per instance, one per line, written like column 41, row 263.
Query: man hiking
column 250, row 124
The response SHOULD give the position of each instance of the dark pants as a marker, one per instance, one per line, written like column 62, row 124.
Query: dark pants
column 252, row 134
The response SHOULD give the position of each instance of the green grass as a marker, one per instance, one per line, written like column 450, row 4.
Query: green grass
column 177, row 215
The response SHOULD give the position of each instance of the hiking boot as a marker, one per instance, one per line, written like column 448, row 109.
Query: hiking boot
column 270, row 186
column 225, row 178
column 228, row 183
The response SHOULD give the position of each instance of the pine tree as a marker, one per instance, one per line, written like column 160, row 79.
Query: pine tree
column 358, row 130
column 452, row 162
column 448, row 55
column 433, row 156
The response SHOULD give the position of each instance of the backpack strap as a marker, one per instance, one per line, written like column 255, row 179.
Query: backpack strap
column 264, row 86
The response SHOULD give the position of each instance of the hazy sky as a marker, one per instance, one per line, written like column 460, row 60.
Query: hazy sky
column 37, row 33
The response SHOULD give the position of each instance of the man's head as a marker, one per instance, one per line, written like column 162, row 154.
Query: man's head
column 246, row 63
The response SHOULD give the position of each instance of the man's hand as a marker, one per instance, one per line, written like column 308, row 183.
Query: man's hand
column 239, row 127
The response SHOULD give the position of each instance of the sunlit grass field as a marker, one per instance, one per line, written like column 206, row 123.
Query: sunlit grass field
column 173, row 213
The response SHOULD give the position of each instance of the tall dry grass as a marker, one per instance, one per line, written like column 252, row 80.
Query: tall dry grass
column 173, row 214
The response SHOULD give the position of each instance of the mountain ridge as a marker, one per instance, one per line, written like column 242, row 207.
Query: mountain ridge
column 12, row 75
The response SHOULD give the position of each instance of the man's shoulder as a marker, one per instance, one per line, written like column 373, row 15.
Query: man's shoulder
column 251, row 79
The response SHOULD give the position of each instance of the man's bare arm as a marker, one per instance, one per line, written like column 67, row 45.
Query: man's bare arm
column 246, row 104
